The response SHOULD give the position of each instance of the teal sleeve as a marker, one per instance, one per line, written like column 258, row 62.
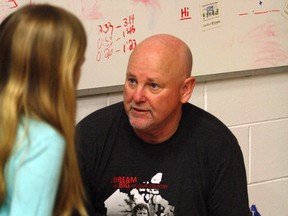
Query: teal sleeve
column 36, row 175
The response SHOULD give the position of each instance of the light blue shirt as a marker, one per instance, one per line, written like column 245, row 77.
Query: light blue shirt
column 33, row 171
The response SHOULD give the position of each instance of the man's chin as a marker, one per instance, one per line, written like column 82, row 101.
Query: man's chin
column 140, row 124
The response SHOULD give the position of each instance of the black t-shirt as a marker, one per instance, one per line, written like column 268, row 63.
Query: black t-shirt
column 199, row 171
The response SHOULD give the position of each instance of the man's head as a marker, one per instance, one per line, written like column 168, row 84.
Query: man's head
column 158, row 82
column 140, row 210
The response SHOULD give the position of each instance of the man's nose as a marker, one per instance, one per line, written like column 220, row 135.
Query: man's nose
column 139, row 94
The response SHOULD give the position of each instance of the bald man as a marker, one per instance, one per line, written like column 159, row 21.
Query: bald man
column 156, row 148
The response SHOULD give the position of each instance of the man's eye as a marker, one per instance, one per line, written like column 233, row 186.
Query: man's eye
column 131, row 81
column 154, row 86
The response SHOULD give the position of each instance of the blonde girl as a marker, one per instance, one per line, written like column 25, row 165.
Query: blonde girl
column 41, row 52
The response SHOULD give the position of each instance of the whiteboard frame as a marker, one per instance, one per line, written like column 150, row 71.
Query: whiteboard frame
column 199, row 79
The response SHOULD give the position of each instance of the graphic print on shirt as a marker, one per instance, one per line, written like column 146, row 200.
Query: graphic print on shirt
column 144, row 198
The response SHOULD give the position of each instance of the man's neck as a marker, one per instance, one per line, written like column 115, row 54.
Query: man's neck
column 155, row 136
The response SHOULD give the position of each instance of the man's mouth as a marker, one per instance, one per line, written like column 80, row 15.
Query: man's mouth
column 138, row 110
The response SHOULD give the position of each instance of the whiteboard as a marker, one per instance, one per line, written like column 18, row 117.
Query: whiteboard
column 224, row 36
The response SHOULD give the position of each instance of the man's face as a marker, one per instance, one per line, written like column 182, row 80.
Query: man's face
column 152, row 93
column 141, row 212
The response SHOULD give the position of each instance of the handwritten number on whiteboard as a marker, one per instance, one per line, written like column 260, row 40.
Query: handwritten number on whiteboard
column 110, row 36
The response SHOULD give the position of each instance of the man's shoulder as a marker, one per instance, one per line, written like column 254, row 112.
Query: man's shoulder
column 103, row 116
column 209, row 133
column 203, row 121
column 192, row 111
column 101, row 123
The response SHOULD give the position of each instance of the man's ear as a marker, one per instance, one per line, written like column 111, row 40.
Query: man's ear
column 187, row 89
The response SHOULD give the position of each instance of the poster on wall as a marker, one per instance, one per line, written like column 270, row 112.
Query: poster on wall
column 210, row 15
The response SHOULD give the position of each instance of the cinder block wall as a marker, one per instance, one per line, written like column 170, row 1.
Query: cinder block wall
column 255, row 108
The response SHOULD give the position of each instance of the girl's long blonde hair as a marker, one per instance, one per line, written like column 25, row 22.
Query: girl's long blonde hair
column 41, row 51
